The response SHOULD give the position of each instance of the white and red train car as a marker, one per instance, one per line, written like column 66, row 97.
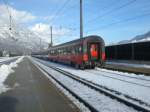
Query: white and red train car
column 83, row 53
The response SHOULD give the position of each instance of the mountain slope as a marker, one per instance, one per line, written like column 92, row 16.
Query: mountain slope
column 138, row 38
column 144, row 37
column 20, row 41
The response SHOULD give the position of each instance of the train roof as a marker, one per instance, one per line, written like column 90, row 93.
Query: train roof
column 79, row 40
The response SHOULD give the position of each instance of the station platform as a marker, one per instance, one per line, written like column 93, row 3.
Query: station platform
column 31, row 91
column 139, row 67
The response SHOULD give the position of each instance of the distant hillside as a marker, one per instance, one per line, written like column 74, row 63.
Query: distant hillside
column 144, row 37
column 20, row 42
column 138, row 38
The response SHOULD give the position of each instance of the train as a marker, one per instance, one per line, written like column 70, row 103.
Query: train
column 87, row 52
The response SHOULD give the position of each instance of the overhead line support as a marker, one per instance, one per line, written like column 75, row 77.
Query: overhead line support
column 81, row 19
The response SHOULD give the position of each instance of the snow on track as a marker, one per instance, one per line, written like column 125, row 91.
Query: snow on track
column 5, row 70
column 132, row 90
column 124, row 74
column 125, row 77
column 97, row 100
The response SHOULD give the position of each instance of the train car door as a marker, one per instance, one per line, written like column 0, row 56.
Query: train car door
column 94, row 51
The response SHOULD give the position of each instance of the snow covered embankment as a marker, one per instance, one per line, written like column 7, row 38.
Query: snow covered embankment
column 5, row 70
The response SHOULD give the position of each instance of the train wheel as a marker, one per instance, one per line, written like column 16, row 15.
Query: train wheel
column 71, row 63
column 77, row 66
column 92, row 67
column 82, row 67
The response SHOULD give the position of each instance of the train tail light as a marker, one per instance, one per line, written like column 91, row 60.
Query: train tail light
column 85, row 57
column 103, row 56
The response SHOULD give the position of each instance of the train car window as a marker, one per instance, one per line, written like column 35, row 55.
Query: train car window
column 64, row 51
column 76, row 50
column 53, row 52
column 69, row 50
column 58, row 51
column 61, row 51
column 73, row 50
column 80, row 49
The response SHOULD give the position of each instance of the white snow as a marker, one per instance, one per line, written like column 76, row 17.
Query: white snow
column 5, row 70
column 141, row 40
column 96, row 99
column 111, row 80
column 4, row 59
column 130, row 65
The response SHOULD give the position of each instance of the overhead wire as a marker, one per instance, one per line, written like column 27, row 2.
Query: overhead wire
column 59, row 10
column 111, row 11
column 121, row 21
column 107, row 13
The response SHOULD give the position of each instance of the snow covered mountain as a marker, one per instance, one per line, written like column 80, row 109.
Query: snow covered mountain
column 28, row 32
column 144, row 37
column 138, row 38
column 21, row 41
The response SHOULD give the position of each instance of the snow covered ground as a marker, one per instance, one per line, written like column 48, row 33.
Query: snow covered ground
column 98, row 100
column 2, row 59
column 5, row 70
column 130, row 65
column 136, row 87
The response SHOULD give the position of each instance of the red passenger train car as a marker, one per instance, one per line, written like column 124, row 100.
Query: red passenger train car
column 83, row 53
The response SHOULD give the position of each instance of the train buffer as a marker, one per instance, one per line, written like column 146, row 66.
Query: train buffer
column 31, row 91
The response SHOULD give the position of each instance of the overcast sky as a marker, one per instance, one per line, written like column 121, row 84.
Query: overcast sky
column 114, row 20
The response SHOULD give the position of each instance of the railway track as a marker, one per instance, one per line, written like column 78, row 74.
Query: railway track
column 119, row 93
column 96, row 87
column 123, row 80
column 124, row 75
